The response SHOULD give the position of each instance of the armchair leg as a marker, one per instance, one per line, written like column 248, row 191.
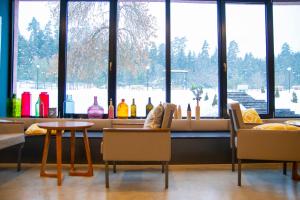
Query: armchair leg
column 284, row 168
column 106, row 175
column 20, row 156
column 239, row 171
column 166, row 175
column 115, row 167
column 233, row 159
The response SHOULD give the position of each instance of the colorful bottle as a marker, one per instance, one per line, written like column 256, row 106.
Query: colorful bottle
column 44, row 104
column 179, row 113
column 95, row 111
column 16, row 106
column 133, row 109
column 149, row 106
column 37, row 108
column 189, row 112
column 25, row 104
column 111, row 110
column 176, row 113
column 122, row 110
column 197, row 111
column 69, row 106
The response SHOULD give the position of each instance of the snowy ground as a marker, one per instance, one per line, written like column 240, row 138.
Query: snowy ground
column 84, row 97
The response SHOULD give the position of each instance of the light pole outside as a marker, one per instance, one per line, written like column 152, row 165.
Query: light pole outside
column 37, row 76
column 147, row 75
column 289, row 69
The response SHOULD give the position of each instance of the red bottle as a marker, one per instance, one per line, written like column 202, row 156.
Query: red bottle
column 25, row 104
column 44, row 104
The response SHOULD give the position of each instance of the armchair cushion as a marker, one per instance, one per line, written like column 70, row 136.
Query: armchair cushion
column 276, row 126
column 154, row 118
column 251, row 116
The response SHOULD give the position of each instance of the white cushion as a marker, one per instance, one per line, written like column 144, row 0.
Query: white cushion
column 154, row 118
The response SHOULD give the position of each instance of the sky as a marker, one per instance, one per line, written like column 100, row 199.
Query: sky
column 198, row 22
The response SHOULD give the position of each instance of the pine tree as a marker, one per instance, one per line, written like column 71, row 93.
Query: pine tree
column 294, row 98
column 206, row 97
column 215, row 101
column 277, row 95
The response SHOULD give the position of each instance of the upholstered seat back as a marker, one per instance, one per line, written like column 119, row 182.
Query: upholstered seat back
column 169, row 110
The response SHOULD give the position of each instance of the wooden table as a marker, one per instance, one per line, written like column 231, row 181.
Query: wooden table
column 295, row 175
column 59, row 127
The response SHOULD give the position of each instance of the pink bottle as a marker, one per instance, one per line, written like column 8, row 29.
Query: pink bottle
column 44, row 104
column 95, row 111
column 25, row 104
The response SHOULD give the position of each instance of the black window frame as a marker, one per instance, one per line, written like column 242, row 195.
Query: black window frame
column 112, row 71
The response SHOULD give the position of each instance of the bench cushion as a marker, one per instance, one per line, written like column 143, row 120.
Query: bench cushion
column 7, row 140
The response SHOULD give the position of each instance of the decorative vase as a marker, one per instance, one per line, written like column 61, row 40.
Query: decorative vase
column 197, row 111
column 189, row 112
column 111, row 110
column 176, row 113
column 25, row 104
column 179, row 112
column 122, row 110
column 95, row 111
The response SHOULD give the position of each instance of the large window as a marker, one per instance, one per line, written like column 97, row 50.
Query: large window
column 141, row 53
column 246, row 55
column 194, row 56
column 36, row 49
column 87, row 54
column 135, row 65
column 287, row 59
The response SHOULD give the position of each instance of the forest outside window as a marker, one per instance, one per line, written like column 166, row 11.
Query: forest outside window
column 36, row 49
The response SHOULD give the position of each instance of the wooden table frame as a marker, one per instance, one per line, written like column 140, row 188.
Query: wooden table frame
column 59, row 127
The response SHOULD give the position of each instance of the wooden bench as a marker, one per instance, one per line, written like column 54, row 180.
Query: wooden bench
column 11, row 134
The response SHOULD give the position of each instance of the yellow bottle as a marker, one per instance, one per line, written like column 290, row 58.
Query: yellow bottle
column 122, row 110
column 133, row 109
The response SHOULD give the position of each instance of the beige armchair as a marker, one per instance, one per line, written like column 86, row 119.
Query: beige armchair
column 11, row 134
column 139, row 144
column 252, row 144
column 236, row 123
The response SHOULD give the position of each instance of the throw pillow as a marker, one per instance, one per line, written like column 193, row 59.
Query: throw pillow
column 251, row 116
column 154, row 118
column 276, row 126
column 35, row 130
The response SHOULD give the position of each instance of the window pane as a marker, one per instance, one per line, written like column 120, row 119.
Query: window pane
column 141, row 53
column 246, row 56
column 287, row 60
column 87, row 53
column 194, row 55
column 36, row 49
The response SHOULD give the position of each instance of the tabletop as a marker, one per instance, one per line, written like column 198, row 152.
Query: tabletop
column 65, row 125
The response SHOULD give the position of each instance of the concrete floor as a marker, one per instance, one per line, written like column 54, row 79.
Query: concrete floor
column 187, row 182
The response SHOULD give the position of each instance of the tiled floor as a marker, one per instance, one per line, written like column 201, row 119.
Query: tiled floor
column 187, row 182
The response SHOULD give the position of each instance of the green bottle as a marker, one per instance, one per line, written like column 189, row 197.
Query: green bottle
column 37, row 108
column 133, row 109
column 149, row 106
column 16, row 106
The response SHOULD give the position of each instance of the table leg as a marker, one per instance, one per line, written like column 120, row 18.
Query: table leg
column 59, row 157
column 295, row 175
column 88, row 157
column 72, row 150
column 88, row 153
column 45, row 153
